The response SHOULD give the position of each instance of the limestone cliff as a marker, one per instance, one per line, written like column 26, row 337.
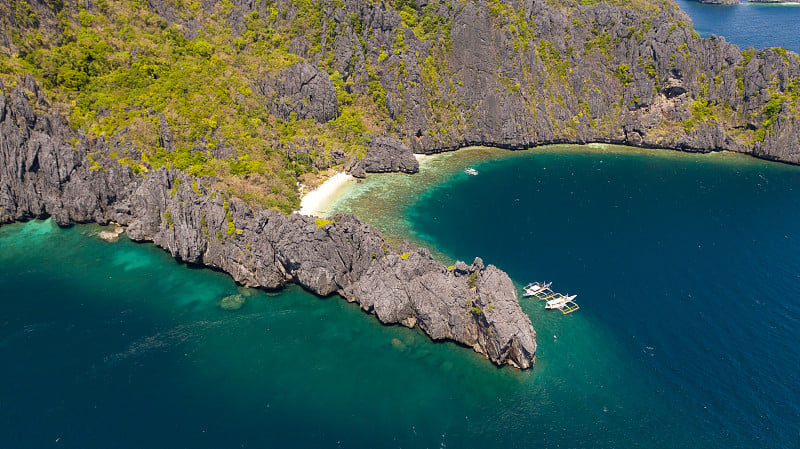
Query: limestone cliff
column 516, row 74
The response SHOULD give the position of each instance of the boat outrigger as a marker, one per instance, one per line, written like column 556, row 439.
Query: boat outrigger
column 559, row 302
column 553, row 300
column 471, row 171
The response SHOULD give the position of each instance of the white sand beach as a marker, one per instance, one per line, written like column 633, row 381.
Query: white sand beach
column 317, row 201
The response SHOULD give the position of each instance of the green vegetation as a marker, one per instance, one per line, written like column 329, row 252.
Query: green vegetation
column 649, row 67
column 702, row 111
column 623, row 74
column 424, row 23
column 598, row 40
column 646, row 6
column 121, row 72
column 775, row 104
column 553, row 60
column 322, row 222
column 472, row 280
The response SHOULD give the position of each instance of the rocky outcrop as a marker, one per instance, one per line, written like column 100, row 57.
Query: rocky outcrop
column 385, row 154
column 46, row 169
column 301, row 91
column 475, row 309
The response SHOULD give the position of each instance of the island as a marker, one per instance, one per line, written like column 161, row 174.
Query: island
column 191, row 124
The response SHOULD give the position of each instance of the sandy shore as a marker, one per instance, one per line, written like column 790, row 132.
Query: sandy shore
column 317, row 201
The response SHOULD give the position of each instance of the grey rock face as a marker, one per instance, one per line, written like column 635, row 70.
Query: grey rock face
column 41, row 174
column 472, row 305
column 595, row 73
column 301, row 89
column 385, row 154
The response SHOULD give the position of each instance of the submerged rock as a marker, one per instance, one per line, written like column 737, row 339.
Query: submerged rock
column 399, row 345
column 232, row 302
column 111, row 235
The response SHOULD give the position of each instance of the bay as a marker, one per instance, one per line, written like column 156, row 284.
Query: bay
column 747, row 24
column 686, row 267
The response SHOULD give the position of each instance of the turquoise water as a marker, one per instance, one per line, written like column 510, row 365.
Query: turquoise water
column 748, row 24
column 116, row 345
column 687, row 273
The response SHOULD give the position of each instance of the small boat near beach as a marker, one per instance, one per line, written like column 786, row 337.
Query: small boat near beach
column 471, row 171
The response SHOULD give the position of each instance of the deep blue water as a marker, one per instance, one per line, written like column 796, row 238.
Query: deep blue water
column 748, row 24
column 690, row 265
column 687, row 269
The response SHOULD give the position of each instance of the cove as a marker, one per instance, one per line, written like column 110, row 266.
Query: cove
column 685, row 266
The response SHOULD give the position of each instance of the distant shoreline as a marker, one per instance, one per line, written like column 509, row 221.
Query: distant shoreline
column 738, row 2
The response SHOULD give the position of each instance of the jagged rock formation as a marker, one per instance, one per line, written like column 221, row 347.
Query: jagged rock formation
column 516, row 74
column 521, row 73
column 386, row 154
column 303, row 90
column 45, row 169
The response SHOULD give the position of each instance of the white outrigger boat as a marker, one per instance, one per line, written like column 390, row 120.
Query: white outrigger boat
column 471, row 171
column 553, row 300
column 559, row 302
column 534, row 288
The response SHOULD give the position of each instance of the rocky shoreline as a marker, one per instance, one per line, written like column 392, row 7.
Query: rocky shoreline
column 47, row 170
column 595, row 73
